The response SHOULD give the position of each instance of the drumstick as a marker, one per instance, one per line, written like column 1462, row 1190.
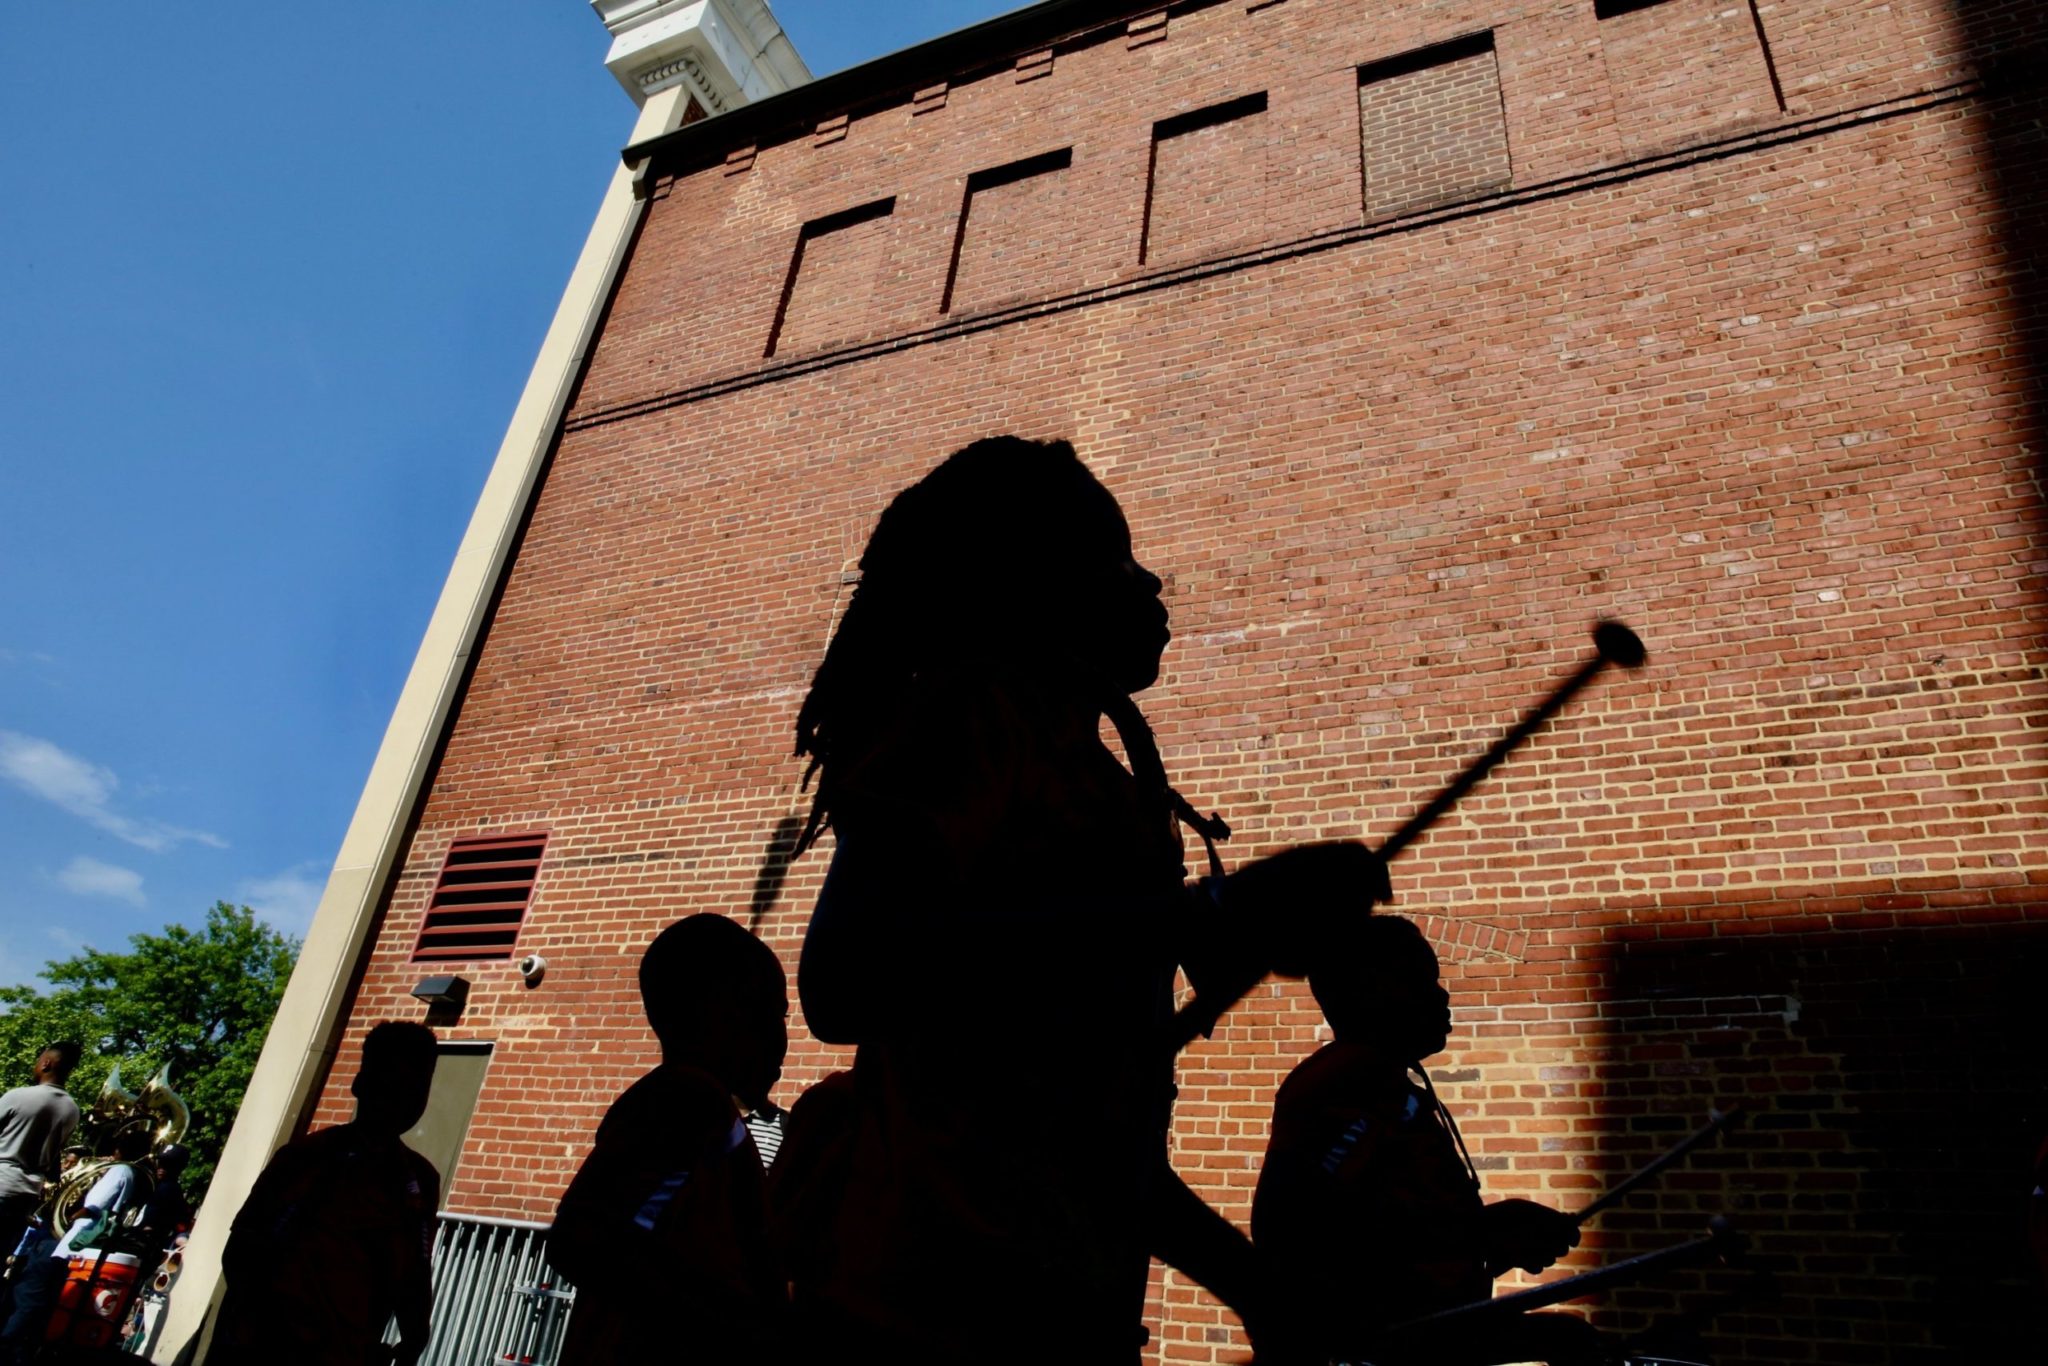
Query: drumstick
column 1717, row 1120
column 1721, row 1241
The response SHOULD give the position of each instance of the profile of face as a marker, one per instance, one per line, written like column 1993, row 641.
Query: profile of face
column 1414, row 1009
column 1119, row 621
column 738, row 1033
column 1393, row 1000
column 759, row 1041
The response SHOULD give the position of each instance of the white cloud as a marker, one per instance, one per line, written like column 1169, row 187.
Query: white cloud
column 86, row 790
column 288, row 900
column 89, row 877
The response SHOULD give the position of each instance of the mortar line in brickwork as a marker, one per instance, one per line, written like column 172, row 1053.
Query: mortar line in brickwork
column 1619, row 173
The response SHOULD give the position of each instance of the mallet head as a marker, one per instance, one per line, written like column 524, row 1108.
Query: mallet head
column 1619, row 645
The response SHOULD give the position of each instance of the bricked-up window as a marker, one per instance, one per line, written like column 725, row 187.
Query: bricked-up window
column 1431, row 127
column 1685, row 69
column 1015, row 236
column 481, row 897
column 831, row 281
column 1207, row 190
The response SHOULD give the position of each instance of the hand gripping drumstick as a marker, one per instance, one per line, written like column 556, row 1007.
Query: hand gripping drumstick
column 1613, row 643
column 1717, row 1120
column 1721, row 1242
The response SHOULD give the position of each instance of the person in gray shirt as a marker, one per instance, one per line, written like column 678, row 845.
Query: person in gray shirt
column 35, row 1123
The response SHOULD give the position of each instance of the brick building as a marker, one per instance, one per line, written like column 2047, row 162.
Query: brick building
column 1414, row 335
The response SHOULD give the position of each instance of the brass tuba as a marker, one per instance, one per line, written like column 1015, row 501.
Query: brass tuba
column 166, row 1108
column 158, row 1111
column 113, row 1104
column 72, row 1190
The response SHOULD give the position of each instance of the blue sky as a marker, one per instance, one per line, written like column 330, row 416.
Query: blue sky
column 271, row 278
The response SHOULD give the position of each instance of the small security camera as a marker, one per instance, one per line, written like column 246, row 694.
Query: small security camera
column 532, row 968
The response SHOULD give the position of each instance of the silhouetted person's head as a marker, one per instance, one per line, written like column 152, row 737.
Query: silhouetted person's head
column 55, row 1063
column 397, row 1073
column 131, row 1145
column 1009, row 556
column 1380, row 988
column 172, row 1159
column 717, row 998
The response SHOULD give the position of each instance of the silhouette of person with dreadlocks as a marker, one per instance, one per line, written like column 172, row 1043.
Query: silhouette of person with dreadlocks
column 1367, row 1199
column 999, row 930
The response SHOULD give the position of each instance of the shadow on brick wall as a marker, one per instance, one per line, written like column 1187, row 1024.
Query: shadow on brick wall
column 1891, row 1084
column 774, row 871
column 2014, row 62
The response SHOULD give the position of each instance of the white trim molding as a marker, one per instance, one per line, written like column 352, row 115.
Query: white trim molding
column 725, row 52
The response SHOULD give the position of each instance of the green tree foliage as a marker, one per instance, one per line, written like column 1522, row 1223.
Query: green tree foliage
column 201, row 1000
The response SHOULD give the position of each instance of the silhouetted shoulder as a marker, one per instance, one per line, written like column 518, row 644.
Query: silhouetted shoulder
column 669, row 1105
column 1338, row 1101
column 825, row 1107
column 810, row 1173
column 341, row 1153
column 1340, row 1074
column 341, row 1145
column 331, row 1144
column 423, row 1175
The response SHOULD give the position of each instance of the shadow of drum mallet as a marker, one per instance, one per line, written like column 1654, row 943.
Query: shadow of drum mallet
column 1613, row 644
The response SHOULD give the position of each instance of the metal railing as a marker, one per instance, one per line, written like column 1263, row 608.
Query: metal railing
column 497, row 1302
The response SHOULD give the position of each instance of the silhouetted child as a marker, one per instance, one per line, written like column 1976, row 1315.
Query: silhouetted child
column 1368, row 1202
column 663, row 1230
column 336, row 1237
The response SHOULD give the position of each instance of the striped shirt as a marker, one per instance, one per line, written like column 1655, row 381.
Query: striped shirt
column 765, row 1124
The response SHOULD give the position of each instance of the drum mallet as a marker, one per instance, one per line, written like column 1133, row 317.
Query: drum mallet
column 1613, row 643
column 1717, row 1120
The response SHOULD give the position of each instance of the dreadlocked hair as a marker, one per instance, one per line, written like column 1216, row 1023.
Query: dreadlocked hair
column 929, row 601
column 923, row 600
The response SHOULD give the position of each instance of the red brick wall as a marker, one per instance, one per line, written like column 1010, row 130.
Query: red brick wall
column 1768, row 396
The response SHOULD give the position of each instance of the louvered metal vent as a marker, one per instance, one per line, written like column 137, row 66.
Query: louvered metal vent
column 481, row 898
